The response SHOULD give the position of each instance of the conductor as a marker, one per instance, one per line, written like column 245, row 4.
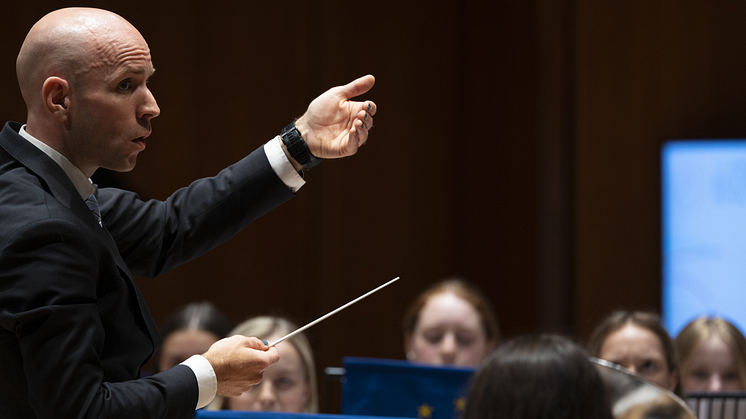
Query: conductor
column 74, row 329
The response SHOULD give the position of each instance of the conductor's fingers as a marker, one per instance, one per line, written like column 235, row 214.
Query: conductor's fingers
column 370, row 107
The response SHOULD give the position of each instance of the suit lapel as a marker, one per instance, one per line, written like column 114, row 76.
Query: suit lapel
column 55, row 180
column 144, row 310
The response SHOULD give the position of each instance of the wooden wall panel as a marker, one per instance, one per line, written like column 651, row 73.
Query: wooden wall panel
column 646, row 72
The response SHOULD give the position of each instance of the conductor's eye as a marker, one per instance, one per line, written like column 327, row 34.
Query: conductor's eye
column 125, row 85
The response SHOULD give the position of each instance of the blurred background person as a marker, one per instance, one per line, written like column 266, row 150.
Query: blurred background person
column 713, row 356
column 287, row 386
column 191, row 330
column 638, row 341
column 452, row 322
column 537, row 377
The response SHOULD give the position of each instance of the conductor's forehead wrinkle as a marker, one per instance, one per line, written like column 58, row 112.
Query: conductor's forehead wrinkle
column 115, row 53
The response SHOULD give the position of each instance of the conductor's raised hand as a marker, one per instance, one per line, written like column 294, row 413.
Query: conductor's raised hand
column 238, row 362
column 335, row 126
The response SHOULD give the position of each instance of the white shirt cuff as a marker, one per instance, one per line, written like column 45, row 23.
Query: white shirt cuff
column 206, row 380
column 282, row 166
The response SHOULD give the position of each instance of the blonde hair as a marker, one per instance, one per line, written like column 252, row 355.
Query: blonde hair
column 263, row 327
column 703, row 328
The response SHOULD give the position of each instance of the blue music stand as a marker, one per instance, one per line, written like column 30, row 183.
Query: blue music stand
column 383, row 387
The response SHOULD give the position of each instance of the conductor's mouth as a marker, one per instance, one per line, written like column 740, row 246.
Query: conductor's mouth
column 141, row 140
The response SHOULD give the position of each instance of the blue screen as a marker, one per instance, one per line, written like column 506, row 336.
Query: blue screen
column 704, row 231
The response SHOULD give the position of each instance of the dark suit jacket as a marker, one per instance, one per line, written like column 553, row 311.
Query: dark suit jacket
column 74, row 330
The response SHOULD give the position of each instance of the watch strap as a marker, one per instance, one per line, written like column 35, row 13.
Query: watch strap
column 297, row 147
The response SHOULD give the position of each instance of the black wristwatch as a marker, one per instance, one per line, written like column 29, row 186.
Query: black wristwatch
column 297, row 147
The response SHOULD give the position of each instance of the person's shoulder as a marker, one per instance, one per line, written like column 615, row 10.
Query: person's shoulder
column 25, row 202
column 19, row 186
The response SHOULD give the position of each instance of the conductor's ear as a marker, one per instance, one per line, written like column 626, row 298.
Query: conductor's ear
column 55, row 91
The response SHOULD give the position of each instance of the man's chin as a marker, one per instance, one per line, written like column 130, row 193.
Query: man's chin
column 123, row 168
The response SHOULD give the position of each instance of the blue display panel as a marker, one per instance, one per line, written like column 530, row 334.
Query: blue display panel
column 704, row 231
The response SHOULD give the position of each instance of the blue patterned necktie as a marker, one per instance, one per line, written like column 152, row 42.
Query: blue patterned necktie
column 92, row 204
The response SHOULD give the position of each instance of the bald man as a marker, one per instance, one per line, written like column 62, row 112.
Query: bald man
column 74, row 331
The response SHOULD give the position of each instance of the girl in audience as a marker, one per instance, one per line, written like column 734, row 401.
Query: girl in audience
column 190, row 331
column 713, row 356
column 537, row 377
column 639, row 342
column 287, row 386
column 451, row 322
